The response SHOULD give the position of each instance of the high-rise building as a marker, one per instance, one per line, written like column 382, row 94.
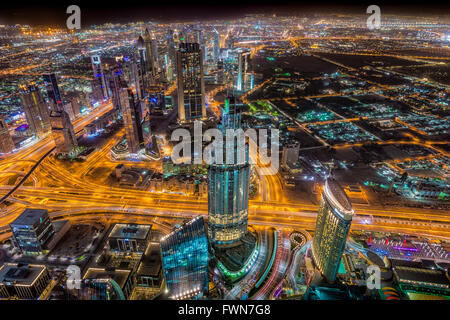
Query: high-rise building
column 290, row 153
column 332, row 227
column 99, row 85
column 191, row 87
column 228, row 184
column 116, row 83
column 6, row 142
column 151, row 52
column 31, row 231
column 220, row 71
column 62, row 131
column 216, row 45
column 171, row 46
column 132, row 118
column 36, row 110
column 243, row 71
column 185, row 258
column 53, row 92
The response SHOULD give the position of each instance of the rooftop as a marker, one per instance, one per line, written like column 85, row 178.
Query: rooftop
column 20, row 274
column 337, row 196
column 30, row 216
column 130, row 231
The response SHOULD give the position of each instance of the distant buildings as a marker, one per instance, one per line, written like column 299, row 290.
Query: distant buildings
column 191, row 87
column 243, row 71
column 151, row 53
column 185, row 260
column 24, row 281
column 332, row 227
column 36, row 110
column 6, row 142
column 228, row 185
column 31, row 231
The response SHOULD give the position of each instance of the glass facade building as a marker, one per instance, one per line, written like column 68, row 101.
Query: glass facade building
column 190, row 85
column 332, row 226
column 31, row 230
column 185, row 259
column 228, row 183
column 36, row 110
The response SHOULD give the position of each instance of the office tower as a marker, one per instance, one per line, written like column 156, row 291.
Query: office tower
column 171, row 46
column 228, row 184
column 332, row 227
column 53, row 92
column 191, row 87
column 134, row 77
column 243, row 68
column 151, row 53
column 6, row 142
column 62, row 131
column 36, row 110
column 31, row 231
column 216, row 45
column 116, row 83
column 99, row 85
column 132, row 117
column 143, row 76
column 185, row 259
column 219, row 78
column 23, row 281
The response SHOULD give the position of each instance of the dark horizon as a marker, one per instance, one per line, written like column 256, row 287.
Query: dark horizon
column 97, row 13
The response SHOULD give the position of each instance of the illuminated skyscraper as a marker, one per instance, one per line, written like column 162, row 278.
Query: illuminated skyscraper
column 332, row 227
column 171, row 46
column 6, row 142
column 99, row 85
column 53, row 93
column 228, row 184
column 185, row 258
column 243, row 68
column 132, row 117
column 151, row 52
column 62, row 131
column 36, row 110
column 191, row 87
column 216, row 48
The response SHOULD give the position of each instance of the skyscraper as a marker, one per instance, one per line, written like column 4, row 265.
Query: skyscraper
column 243, row 68
column 132, row 117
column 99, row 84
column 6, row 142
column 53, row 93
column 185, row 258
column 216, row 45
column 332, row 227
column 62, row 131
column 228, row 184
column 191, row 87
column 151, row 52
column 36, row 110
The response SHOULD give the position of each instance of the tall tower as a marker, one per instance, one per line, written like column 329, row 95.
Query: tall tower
column 99, row 83
column 53, row 93
column 228, row 184
column 191, row 87
column 132, row 117
column 216, row 48
column 243, row 67
column 151, row 52
column 36, row 110
column 332, row 227
column 6, row 142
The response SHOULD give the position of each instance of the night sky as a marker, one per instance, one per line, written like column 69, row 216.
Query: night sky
column 100, row 11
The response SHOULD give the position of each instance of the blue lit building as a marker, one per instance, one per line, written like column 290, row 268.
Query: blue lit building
column 228, row 184
column 53, row 91
column 185, row 259
column 332, row 226
column 31, row 231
